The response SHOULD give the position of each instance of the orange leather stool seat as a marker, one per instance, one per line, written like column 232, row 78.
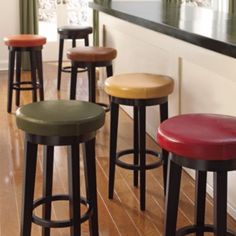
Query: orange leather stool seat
column 138, row 90
column 24, row 40
column 32, row 44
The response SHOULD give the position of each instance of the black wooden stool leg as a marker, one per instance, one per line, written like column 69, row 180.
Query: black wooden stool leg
column 61, row 45
column 86, row 41
column 47, row 185
column 136, row 145
column 142, row 154
column 109, row 70
column 165, row 154
column 220, row 203
column 91, row 185
column 92, row 83
column 74, row 189
column 39, row 64
column 28, row 188
column 200, row 196
column 172, row 198
column 33, row 75
column 113, row 146
column 73, row 81
column 11, row 66
column 18, row 76
column 73, row 43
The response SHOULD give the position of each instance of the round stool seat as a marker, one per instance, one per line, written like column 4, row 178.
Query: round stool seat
column 75, row 31
column 199, row 136
column 60, row 118
column 25, row 40
column 91, row 54
column 139, row 86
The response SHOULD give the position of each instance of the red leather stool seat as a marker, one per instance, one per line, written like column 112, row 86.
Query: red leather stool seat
column 199, row 136
column 24, row 40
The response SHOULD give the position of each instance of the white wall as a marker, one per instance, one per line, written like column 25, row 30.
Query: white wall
column 9, row 24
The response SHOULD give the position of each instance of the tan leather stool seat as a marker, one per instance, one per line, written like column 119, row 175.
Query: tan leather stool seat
column 139, row 86
column 91, row 54
column 25, row 40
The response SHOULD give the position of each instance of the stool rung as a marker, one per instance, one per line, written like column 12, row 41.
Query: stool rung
column 137, row 167
column 59, row 223
column 67, row 69
column 17, row 86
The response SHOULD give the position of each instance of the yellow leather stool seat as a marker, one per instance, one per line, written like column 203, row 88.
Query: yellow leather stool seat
column 139, row 86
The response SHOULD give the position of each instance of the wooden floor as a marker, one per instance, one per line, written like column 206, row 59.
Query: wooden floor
column 120, row 216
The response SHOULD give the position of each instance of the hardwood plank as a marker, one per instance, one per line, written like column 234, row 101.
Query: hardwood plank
column 118, row 217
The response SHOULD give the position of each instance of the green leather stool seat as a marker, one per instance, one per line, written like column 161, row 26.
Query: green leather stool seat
column 60, row 118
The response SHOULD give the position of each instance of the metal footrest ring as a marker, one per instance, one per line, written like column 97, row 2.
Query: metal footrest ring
column 128, row 166
column 67, row 69
column 197, row 229
column 17, row 86
column 59, row 223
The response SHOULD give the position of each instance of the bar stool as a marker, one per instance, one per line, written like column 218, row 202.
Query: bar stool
column 203, row 142
column 57, row 123
column 90, row 57
column 70, row 32
column 138, row 90
column 16, row 45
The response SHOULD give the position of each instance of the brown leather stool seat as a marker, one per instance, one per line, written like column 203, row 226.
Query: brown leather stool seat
column 91, row 54
column 90, row 57
column 72, row 32
column 33, row 45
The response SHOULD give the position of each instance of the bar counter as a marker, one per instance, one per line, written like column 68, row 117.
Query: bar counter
column 196, row 46
column 202, row 26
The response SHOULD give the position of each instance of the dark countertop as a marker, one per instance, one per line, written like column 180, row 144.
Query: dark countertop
column 205, row 27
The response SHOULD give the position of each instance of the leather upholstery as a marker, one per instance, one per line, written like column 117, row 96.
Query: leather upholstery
column 139, row 86
column 25, row 40
column 199, row 136
column 60, row 118
column 91, row 54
